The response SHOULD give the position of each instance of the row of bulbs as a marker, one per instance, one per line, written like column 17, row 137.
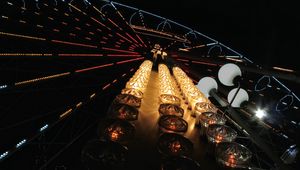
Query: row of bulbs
column 196, row 99
column 41, row 78
column 167, row 85
column 140, row 78
column 168, row 88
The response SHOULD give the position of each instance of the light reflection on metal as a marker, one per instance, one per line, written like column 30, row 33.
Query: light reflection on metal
column 205, row 63
column 184, row 60
column 233, row 59
column 290, row 155
column 220, row 133
column 283, row 69
column 209, row 118
column 233, row 155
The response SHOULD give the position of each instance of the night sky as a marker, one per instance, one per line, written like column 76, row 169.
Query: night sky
column 264, row 31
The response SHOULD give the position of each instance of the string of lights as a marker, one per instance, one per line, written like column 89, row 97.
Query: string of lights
column 140, row 78
column 26, row 82
column 52, row 19
column 104, row 24
column 71, row 34
column 49, row 125
column 121, row 16
column 168, row 88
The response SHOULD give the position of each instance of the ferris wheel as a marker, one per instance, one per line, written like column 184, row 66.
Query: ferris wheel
column 64, row 61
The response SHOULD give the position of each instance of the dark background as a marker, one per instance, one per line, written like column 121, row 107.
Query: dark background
column 264, row 31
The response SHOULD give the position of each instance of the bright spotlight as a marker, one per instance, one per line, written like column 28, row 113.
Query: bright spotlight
column 260, row 113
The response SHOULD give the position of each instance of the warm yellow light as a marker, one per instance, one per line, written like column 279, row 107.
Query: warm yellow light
column 140, row 78
column 22, row 36
column 191, row 93
column 201, row 107
column 42, row 78
column 168, row 87
column 283, row 69
column 65, row 113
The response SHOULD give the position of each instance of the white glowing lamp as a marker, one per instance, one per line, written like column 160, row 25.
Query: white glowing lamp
column 206, row 84
column 228, row 73
column 241, row 97
column 259, row 113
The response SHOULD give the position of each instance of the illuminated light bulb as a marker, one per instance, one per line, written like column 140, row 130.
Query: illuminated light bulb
column 20, row 143
column 139, row 80
column 44, row 127
column 190, row 92
column 3, row 155
column 115, row 133
column 218, row 138
column 231, row 161
column 168, row 90
column 260, row 113
column 175, row 147
column 3, row 86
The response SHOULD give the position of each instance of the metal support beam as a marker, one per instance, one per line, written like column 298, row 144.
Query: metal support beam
column 254, row 137
column 278, row 74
